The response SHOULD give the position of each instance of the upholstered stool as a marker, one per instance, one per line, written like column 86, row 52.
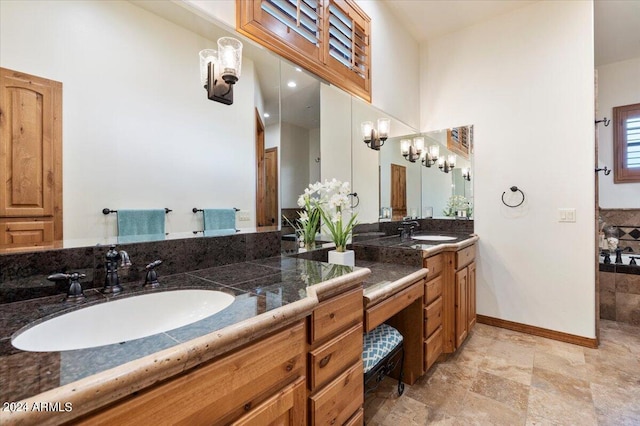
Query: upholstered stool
column 382, row 353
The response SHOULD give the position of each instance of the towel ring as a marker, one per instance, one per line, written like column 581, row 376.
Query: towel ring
column 357, row 199
column 513, row 189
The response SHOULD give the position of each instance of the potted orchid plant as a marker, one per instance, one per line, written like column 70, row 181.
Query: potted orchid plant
column 335, row 209
column 308, row 222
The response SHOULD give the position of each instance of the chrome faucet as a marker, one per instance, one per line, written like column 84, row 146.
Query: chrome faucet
column 111, row 280
column 407, row 228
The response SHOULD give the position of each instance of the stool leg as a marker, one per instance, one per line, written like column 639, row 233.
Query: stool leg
column 401, row 375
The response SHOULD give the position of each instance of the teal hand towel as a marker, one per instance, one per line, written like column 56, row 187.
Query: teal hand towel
column 218, row 232
column 141, row 222
column 219, row 219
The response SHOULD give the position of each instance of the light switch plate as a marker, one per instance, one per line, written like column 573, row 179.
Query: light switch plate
column 566, row 215
column 243, row 216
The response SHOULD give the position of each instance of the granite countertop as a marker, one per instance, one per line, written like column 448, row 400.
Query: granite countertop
column 286, row 288
column 428, row 248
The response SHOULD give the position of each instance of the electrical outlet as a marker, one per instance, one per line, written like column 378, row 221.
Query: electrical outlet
column 243, row 216
column 566, row 215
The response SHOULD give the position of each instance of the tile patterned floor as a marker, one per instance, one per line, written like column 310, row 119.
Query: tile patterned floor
column 502, row 377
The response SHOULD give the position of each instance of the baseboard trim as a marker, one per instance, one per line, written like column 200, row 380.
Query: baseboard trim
column 538, row 331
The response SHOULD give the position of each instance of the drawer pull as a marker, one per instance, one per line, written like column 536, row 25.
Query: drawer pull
column 324, row 361
column 247, row 406
column 332, row 315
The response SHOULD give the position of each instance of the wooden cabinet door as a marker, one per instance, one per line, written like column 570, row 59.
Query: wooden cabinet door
column 471, row 299
column 285, row 408
column 462, row 288
column 30, row 147
column 398, row 191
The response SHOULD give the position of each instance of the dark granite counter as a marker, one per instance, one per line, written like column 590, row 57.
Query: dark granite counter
column 259, row 286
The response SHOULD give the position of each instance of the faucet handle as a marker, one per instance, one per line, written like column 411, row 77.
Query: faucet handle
column 75, row 292
column 151, row 278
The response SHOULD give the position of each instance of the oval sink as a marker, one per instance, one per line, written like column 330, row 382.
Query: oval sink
column 122, row 320
column 433, row 238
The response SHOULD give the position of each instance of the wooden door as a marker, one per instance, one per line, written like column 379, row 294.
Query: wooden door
column 271, row 186
column 261, row 176
column 30, row 158
column 398, row 190
column 462, row 284
column 471, row 298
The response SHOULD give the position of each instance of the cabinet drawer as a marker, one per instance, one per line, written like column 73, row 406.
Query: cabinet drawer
column 435, row 264
column 357, row 419
column 285, row 407
column 379, row 313
column 219, row 391
column 336, row 314
column 335, row 403
column 332, row 358
column 433, row 317
column 26, row 232
column 432, row 348
column 433, row 290
column 465, row 256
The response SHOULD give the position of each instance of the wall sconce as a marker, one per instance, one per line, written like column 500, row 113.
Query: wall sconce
column 448, row 164
column 431, row 156
column 466, row 174
column 220, row 70
column 375, row 138
column 412, row 149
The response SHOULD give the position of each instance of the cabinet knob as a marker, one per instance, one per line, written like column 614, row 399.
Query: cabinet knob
column 324, row 361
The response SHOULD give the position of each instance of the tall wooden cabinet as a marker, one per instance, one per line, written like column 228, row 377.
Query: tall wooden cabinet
column 30, row 160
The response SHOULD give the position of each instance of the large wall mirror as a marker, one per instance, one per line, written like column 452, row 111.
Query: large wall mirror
column 139, row 132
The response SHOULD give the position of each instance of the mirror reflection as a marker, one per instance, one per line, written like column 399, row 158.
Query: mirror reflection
column 427, row 175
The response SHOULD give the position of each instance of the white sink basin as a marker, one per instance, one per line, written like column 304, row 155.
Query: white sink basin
column 122, row 320
column 433, row 238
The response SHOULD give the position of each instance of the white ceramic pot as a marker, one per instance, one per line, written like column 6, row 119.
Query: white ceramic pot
column 347, row 257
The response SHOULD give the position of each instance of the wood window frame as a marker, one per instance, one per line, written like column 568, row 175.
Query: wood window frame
column 252, row 22
column 622, row 173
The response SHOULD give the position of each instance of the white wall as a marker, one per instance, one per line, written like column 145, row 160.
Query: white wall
column 314, row 154
column 294, row 167
column 138, row 130
column 618, row 84
column 395, row 57
column 525, row 81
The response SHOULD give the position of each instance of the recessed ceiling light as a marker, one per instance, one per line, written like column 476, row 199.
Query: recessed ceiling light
column 298, row 69
column 292, row 84
column 266, row 115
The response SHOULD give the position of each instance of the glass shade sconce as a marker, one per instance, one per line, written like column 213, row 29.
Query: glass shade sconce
column 431, row 156
column 448, row 164
column 220, row 69
column 375, row 137
column 412, row 149
column 466, row 174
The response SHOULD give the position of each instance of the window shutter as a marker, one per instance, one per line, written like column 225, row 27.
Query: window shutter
column 348, row 44
column 330, row 38
column 626, row 143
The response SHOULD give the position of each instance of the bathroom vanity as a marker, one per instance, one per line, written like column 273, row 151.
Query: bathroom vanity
column 287, row 350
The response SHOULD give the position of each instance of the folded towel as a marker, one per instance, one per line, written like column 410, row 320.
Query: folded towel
column 122, row 239
column 218, row 232
column 141, row 222
column 219, row 219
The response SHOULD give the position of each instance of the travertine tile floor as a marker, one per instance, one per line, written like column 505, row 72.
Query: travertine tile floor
column 502, row 377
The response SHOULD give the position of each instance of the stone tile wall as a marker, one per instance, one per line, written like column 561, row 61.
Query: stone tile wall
column 628, row 223
column 620, row 294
